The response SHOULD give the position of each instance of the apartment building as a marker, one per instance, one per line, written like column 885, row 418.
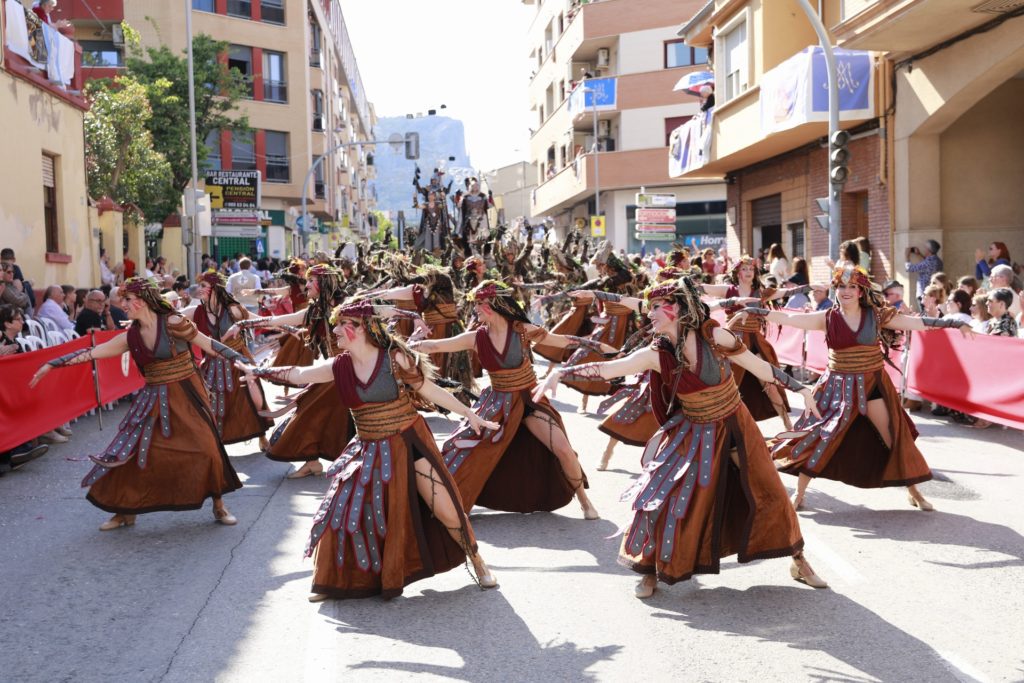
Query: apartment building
column 306, row 99
column 44, row 203
column 929, row 91
column 602, row 99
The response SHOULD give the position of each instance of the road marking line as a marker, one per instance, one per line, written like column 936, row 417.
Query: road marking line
column 819, row 550
column 961, row 668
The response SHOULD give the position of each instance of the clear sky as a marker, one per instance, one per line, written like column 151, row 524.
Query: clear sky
column 470, row 55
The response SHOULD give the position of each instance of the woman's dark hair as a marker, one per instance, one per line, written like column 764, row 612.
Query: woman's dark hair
column 863, row 244
column 800, row 269
column 775, row 251
column 969, row 282
column 962, row 299
column 68, row 289
column 849, row 251
column 1003, row 294
column 8, row 313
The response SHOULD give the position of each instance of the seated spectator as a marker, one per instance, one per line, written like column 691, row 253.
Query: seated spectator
column 942, row 280
column 893, row 293
column 11, row 322
column 1002, row 324
column 932, row 299
column 69, row 300
column 998, row 255
column 819, row 300
column 958, row 306
column 243, row 279
column 80, row 295
column 1002, row 276
column 95, row 315
column 979, row 314
column 150, row 264
column 14, row 291
column 117, row 313
column 7, row 256
column 52, row 309
column 968, row 284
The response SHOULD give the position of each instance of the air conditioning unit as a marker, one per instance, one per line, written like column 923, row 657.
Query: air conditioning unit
column 117, row 34
column 604, row 56
column 604, row 128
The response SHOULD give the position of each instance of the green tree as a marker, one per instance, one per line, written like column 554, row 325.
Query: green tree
column 121, row 162
column 384, row 228
column 218, row 90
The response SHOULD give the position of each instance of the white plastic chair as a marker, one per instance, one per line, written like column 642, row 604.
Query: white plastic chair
column 30, row 342
column 71, row 334
column 35, row 328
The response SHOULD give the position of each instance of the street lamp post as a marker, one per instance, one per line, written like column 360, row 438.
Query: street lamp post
column 191, row 205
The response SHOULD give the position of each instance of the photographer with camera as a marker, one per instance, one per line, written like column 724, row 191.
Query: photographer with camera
column 924, row 264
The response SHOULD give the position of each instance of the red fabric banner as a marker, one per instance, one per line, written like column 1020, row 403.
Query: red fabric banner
column 979, row 376
column 62, row 395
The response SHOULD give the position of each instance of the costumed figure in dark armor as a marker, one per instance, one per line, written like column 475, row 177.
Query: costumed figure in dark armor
column 167, row 453
column 475, row 229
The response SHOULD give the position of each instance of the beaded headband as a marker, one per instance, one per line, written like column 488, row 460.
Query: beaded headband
column 141, row 285
column 488, row 289
column 851, row 275
column 212, row 278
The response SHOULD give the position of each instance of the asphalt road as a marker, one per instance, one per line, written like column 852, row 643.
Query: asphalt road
column 915, row 596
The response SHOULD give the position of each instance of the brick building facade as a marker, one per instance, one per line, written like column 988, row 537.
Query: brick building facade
column 773, row 200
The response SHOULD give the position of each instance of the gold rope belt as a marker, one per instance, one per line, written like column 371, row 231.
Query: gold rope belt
column 612, row 308
column 381, row 420
column 441, row 315
column 516, row 379
column 711, row 404
column 169, row 370
column 855, row 360
column 237, row 343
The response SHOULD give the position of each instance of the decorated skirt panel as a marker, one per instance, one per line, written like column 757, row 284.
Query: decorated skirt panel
column 842, row 397
column 492, row 405
column 677, row 459
column 135, row 433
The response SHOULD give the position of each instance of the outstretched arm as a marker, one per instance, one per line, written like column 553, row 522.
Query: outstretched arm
column 108, row 349
column 636, row 362
column 915, row 323
column 803, row 321
column 561, row 341
column 318, row 373
column 462, row 342
column 589, row 295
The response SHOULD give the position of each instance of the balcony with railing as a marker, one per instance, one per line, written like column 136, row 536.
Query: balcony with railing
column 275, row 91
column 42, row 53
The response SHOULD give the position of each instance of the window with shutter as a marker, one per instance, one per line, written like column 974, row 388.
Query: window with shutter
column 50, row 203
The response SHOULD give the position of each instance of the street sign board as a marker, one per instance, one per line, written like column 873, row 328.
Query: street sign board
column 702, row 242
column 656, row 215
column 234, row 189
column 655, row 236
column 597, row 226
column 655, row 227
column 648, row 199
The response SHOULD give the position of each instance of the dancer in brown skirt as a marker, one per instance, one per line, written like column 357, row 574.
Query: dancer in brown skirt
column 167, row 454
column 611, row 325
column 528, row 464
column 392, row 514
column 235, row 406
column 763, row 400
column 293, row 348
column 319, row 427
column 708, row 489
column 864, row 438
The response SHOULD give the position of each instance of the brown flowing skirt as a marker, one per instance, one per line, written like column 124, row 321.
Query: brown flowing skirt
column 575, row 322
column 516, row 473
column 845, row 446
column 741, row 509
column 634, row 422
column 319, row 428
column 751, row 390
column 181, row 471
column 416, row 545
column 293, row 351
column 241, row 419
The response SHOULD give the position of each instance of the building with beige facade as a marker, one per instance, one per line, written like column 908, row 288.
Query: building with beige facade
column 306, row 98
column 628, row 52
column 44, row 203
column 934, row 152
column 513, row 187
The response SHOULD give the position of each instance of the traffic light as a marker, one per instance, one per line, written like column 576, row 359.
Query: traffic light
column 412, row 146
column 838, row 157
